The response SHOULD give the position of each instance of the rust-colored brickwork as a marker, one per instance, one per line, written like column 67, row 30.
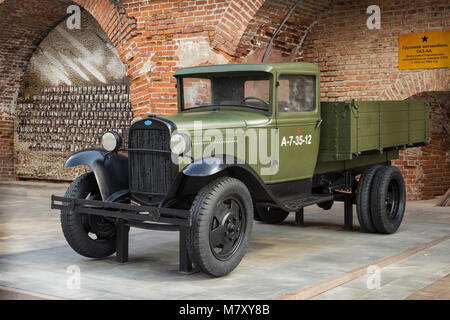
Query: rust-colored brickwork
column 268, row 18
column 358, row 63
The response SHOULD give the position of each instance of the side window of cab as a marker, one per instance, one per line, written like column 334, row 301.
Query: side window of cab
column 296, row 93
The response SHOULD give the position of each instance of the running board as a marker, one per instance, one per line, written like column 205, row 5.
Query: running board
column 296, row 203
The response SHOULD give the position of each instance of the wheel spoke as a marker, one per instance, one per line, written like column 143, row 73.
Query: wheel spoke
column 234, row 208
column 227, row 247
column 221, row 212
column 217, row 236
column 224, row 237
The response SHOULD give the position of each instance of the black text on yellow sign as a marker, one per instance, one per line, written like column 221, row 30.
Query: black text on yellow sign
column 424, row 50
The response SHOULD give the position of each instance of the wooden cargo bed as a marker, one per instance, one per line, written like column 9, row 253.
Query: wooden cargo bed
column 351, row 128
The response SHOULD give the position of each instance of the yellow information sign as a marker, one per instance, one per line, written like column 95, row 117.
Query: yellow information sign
column 424, row 50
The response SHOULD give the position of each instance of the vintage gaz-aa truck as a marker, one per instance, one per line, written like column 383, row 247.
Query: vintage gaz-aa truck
column 249, row 142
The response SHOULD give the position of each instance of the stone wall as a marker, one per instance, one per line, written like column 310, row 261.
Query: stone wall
column 63, row 120
column 74, row 89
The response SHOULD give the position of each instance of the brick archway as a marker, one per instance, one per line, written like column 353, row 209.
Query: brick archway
column 417, row 82
column 266, row 20
column 233, row 24
column 119, row 27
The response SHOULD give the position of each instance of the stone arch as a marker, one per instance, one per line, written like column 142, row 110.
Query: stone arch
column 416, row 82
column 24, row 24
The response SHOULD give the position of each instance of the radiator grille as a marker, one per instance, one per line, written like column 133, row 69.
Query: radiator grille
column 150, row 172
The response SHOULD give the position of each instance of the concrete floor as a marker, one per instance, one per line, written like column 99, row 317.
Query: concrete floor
column 281, row 259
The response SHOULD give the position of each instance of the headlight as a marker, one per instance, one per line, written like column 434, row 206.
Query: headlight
column 180, row 143
column 111, row 141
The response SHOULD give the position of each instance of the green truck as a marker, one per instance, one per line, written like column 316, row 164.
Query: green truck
column 249, row 142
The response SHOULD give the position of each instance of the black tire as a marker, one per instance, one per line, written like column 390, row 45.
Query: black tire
column 222, row 219
column 271, row 215
column 77, row 228
column 327, row 205
column 388, row 200
column 363, row 199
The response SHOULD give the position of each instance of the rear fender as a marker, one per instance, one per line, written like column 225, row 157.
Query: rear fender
column 110, row 169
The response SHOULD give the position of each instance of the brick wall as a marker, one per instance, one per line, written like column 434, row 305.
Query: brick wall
column 174, row 34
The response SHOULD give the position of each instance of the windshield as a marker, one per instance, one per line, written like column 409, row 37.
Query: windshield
column 244, row 91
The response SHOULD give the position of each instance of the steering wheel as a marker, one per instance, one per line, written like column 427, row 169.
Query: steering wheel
column 254, row 98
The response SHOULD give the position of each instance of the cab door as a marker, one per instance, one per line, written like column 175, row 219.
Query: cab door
column 297, row 110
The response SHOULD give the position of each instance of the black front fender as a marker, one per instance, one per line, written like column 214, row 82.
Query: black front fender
column 207, row 168
column 110, row 169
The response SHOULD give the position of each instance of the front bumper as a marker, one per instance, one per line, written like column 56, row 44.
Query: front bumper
column 138, row 216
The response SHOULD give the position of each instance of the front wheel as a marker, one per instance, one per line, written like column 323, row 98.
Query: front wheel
column 89, row 235
column 222, row 218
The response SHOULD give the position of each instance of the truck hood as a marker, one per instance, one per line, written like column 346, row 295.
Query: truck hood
column 218, row 119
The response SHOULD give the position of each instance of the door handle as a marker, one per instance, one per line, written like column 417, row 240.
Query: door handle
column 319, row 123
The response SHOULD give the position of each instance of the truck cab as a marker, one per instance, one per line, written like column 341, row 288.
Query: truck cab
column 280, row 100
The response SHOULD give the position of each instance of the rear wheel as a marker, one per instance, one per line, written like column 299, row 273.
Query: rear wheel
column 89, row 235
column 363, row 199
column 222, row 218
column 271, row 215
column 388, row 200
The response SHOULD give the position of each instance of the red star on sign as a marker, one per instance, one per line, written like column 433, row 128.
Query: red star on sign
column 298, row 130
